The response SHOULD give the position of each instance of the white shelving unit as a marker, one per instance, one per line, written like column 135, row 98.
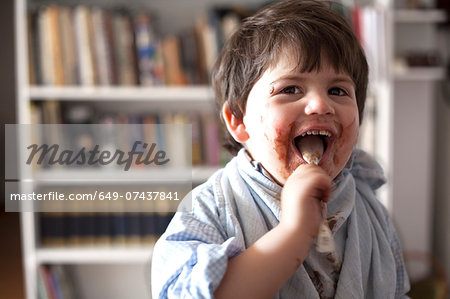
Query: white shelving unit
column 413, row 102
column 123, row 271
column 405, row 113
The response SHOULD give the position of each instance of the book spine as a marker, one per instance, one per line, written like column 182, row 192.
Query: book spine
column 162, row 221
column 123, row 35
column 65, row 281
column 148, row 231
column 73, row 228
column 32, row 43
column 173, row 71
column 211, row 141
column 52, row 224
column 110, row 41
column 43, row 288
column 132, row 228
column 45, row 51
column 55, row 44
column 145, row 48
column 83, row 45
column 118, row 229
column 87, row 228
column 102, row 229
column 68, row 49
column 188, row 56
column 197, row 152
column 101, row 48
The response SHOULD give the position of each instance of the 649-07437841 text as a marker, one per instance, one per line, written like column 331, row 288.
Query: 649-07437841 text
column 97, row 195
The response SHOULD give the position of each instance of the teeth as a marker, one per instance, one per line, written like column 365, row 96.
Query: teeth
column 317, row 132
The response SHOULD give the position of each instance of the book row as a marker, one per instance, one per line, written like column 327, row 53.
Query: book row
column 205, row 136
column 83, row 45
column 110, row 218
column 101, row 229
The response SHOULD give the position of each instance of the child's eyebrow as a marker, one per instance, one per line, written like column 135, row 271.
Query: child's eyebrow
column 297, row 77
column 343, row 79
column 287, row 77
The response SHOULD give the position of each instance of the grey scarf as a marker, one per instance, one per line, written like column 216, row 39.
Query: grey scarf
column 363, row 265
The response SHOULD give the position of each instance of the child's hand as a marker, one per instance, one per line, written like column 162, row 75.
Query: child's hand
column 301, row 210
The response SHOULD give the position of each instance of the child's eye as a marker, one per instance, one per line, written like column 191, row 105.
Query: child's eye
column 336, row 91
column 291, row 90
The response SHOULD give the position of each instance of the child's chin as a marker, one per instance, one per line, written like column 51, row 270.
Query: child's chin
column 332, row 171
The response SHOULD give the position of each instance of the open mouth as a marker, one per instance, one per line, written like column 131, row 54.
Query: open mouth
column 313, row 144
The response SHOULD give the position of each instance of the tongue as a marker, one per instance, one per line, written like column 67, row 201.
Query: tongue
column 311, row 148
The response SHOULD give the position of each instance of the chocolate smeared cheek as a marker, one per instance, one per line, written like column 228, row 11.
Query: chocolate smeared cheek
column 345, row 143
column 281, row 146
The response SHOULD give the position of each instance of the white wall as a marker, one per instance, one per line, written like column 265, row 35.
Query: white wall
column 412, row 168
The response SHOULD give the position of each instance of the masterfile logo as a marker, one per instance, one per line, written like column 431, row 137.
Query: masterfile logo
column 125, row 147
column 148, row 155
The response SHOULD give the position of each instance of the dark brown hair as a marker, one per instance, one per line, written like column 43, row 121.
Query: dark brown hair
column 312, row 29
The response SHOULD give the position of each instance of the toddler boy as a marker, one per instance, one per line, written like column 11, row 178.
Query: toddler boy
column 293, row 76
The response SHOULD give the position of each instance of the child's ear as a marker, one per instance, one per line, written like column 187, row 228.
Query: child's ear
column 234, row 125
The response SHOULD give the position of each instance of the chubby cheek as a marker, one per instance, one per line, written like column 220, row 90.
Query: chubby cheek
column 344, row 145
column 271, row 146
column 280, row 161
column 284, row 154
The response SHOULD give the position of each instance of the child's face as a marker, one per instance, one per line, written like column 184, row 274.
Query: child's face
column 284, row 103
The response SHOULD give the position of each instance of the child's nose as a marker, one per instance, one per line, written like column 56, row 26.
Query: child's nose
column 319, row 104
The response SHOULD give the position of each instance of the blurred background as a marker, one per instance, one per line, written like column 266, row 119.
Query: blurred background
column 148, row 62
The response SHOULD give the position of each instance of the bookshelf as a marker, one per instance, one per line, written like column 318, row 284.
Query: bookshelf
column 99, row 271
column 393, row 89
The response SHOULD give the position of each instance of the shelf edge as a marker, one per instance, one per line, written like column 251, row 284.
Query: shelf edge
column 157, row 93
column 420, row 16
column 126, row 255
